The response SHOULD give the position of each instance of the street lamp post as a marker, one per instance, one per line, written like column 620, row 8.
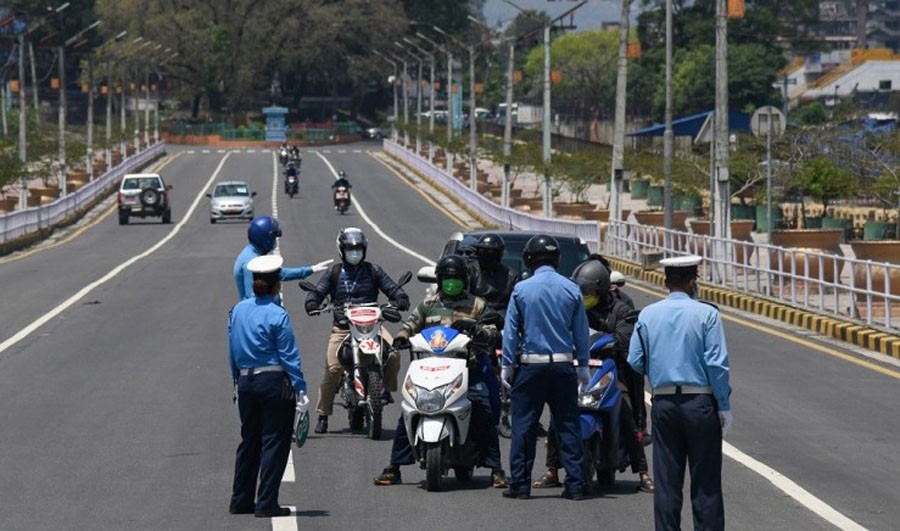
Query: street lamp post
column 668, row 135
column 393, row 90
column 430, row 56
column 618, row 153
column 418, row 59
column 723, row 189
column 449, row 52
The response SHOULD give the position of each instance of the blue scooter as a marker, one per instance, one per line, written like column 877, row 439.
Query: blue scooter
column 600, row 404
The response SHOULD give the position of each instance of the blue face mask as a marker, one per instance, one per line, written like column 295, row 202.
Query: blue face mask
column 353, row 256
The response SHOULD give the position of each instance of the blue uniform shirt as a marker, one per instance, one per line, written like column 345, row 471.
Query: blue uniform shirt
column 244, row 278
column 260, row 334
column 546, row 316
column 685, row 345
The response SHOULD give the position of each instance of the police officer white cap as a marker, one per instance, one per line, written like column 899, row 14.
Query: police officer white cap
column 681, row 265
column 615, row 277
column 268, row 263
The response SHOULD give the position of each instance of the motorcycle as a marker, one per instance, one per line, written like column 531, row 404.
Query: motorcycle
column 436, row 408
column 363, row 355
column 291, row 185
column 283, row 156
column 600, row 405
column 341, row 199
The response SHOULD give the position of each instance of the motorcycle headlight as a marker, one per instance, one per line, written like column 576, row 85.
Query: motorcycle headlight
column 430, row 401
column 410, row 388
column 365, row 329
column 590, row 398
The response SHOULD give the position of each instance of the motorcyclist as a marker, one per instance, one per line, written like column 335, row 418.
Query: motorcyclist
column 352, row 280
column 496, row 279
column 450, row 304
column 295, row 154
column 340, row 182
column 617, row 282
column 467, row 250
column 608, row 315
column 263, row 233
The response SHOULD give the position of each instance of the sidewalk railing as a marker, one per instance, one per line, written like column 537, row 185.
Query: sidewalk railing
column 19, row 223
column 828, row 284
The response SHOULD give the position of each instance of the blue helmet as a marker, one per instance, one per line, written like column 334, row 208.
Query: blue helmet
column 262, row 233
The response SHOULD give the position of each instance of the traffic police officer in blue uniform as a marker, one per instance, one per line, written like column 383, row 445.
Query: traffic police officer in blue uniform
column 265, row 366
column 545, row 326
column 679, row 344
column 263, row 234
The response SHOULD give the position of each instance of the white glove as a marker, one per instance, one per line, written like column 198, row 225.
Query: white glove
column 726, row 418
column 302, row 402
column 322, row 266
column 506, row 376
column 584, row 377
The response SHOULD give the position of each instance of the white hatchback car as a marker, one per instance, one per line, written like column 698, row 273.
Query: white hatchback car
column 231, row 200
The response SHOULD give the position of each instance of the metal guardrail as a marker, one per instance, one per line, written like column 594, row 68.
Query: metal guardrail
column 829, row 284
column 19, row 223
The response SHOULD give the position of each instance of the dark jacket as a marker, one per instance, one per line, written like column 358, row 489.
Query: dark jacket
column 612, row 318
column 359, row 284
column 622, row 296
column 495, row 287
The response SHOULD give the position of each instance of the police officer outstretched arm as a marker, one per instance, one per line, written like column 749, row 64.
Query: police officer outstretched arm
column 452, row 302
column 265, row 363
column 263, row 233
column 680, row 345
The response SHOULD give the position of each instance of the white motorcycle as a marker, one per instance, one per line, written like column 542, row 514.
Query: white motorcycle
column 362, row 355
column 436, row 408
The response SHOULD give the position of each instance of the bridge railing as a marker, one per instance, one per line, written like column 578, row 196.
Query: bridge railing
column 19, row 223
column 862, row 290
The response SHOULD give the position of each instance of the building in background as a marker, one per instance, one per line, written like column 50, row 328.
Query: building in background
column 849, row 24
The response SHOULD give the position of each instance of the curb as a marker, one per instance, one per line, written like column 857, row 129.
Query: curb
column 847, row 331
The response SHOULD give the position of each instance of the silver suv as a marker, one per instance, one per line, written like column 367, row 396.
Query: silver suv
column 144, row 195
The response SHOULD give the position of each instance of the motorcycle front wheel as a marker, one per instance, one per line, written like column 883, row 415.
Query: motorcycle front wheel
column 433, row 462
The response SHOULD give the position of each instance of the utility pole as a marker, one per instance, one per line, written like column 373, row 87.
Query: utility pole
column 548, row 200
column 722, row 225
column 668, row 135
column 786, row 105
column 507, row 124
column 62, row 119
column 618, row 155
column 90, row 118
column 473, row 148
column 23, row 182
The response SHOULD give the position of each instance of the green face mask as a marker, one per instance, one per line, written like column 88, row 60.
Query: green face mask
column 452, row 286
column 591, row 301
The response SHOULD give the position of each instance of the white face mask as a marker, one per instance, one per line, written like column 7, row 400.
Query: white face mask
column 353, row 257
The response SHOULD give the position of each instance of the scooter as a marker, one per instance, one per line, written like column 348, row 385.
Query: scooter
column 600, row 404
column 436, row 408
column 363, row 355
column 291, row 185
column 283, row 156
column 341, row 199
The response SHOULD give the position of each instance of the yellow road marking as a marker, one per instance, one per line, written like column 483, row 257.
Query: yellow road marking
column 793, row 339
column 428, row 198
column 93, row 223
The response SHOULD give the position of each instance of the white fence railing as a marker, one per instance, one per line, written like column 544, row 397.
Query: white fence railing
column 829, row 284
column 21, row 222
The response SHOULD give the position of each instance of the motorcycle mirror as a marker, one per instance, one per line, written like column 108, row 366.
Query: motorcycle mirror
column 391, row 314
column 306, row 285
column 209, row 196
column 491, row 319
column 252, row 194
column 405, row 278
column 426, row 274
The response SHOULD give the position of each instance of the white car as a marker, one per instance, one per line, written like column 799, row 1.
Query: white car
column 231, row 200
column 143, row 195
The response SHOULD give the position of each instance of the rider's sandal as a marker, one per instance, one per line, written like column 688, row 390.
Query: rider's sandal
column 389, row 476
column 647, row 484
column 548, row 480
column 498, row 477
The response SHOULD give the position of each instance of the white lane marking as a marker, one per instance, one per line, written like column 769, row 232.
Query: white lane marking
column 372, row 224
column 326, row 151
column 357, row 151
column 786, row 485
column 289, row 476
column 251, row 151
column 342, row 151
column 286, row 523
column 190, row 152
column 205, row 151
column 37, row 323
column 221, row 151
column 777, row 479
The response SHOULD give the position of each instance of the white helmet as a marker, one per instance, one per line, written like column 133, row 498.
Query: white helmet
column 617, row 278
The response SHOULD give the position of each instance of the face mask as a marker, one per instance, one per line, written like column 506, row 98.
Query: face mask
column 353, row 257
column 591, row 302
column 452, row 286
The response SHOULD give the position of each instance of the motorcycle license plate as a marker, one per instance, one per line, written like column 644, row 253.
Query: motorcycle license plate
column 342, row 195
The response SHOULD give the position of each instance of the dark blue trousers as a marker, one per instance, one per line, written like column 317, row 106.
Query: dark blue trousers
column 266, row 404
column 556, row 385
column 686, row 429
column 482, row 429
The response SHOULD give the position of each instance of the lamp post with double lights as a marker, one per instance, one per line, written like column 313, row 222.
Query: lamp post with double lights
column 449, row 52
column 430, row 56
column 147, row 61
column 90, row 110
column 393, row 91
column 418, row 59
column 135, row 96
column 173, row 55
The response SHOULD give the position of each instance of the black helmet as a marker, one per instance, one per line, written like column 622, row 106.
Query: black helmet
column 452, row 266
column 490, row 249
column 351, row 238
column 540, row 250
column 592, row 277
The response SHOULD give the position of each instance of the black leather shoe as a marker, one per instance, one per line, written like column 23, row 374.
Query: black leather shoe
column 322, row 425
column 509, row 493
column 273, row 513
column 576, row 496
column 241, row 510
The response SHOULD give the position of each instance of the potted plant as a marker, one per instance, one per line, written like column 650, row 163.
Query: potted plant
column 824, row 181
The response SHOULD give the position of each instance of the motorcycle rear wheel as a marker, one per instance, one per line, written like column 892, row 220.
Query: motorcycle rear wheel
column 433, row 465
column 375, row 389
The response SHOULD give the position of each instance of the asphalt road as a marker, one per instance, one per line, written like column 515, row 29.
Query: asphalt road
column 117, row 411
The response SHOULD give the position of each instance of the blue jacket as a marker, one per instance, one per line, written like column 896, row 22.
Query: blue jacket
column 244, row 279
column 260, row 334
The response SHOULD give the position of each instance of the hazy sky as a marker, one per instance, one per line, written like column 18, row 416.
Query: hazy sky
column 590, row 16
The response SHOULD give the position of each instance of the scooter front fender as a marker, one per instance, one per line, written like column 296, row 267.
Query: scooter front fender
column 590, row 424
column 435, row 429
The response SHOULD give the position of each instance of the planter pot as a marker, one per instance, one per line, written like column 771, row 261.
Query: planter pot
column 8, row 204
column 571, row 209
column 99, row 169
column 878, row 230
column 814, row 222
column 639, row 188
column 740, row 231
column 689, row 203
column 880, row 251
column 743, row 212
column 655, row 196
column 73, row 185
column 77, row 175
column 655, row 219
column 515, row 192
column 762, row 224
column 806, row 242
column 845, row 225
column 51, row 192
column 33, row 200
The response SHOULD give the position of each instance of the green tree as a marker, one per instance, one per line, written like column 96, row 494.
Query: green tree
column 825, row 181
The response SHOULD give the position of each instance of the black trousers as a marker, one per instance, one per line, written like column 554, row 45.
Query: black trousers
column 266, row 404
column 686, row 430
column 483, row 430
